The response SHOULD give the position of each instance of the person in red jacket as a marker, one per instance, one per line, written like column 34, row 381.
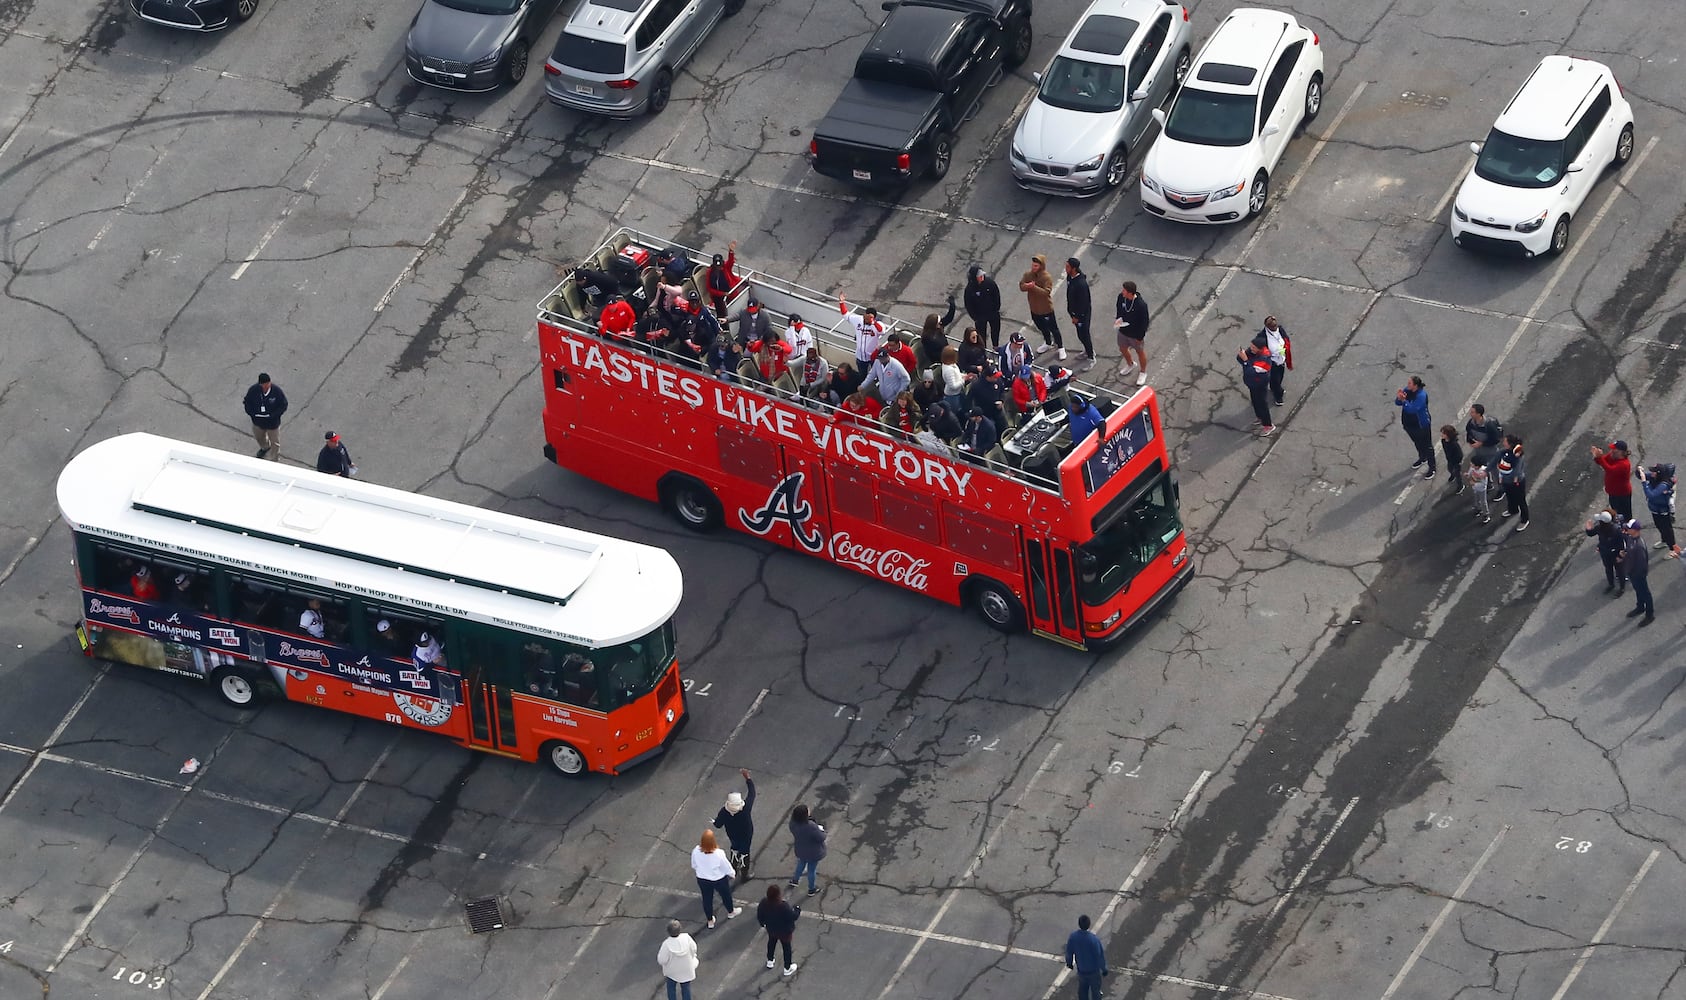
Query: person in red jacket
column 1030, row 390
column 722, row 278
column 860, row 408
column 1618, row 478
column 141, row 585
column 897, row 343
column 619, row 320
column 772, row 356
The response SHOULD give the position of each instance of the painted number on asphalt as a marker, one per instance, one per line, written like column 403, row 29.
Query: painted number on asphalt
column 139, row 977
column 1571, row 844
column 6, row 947
column 1286, row 791
column 975, row 742
column 1439, row 821
column 1117, row 767
column 848, row 712
column 700, row 692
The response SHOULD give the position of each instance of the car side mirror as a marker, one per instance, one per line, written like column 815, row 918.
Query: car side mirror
column 1159, row 116
column 889, row 4
column 1036, row 77
column 1574, row 168
column 1475, row 147
column 1270, row 129
column 1139, row 95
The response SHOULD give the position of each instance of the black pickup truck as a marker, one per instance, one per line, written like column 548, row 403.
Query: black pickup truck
column 924, row 72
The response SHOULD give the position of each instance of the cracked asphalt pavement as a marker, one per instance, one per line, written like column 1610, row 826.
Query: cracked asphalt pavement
column 1375, row 749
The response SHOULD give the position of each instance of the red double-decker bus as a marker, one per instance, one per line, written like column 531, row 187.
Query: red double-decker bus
column 1076, row 542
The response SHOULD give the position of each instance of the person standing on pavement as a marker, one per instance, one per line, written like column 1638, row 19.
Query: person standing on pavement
column 1079, row 307
column 1255, row 375
column 678, row 959
column 1659, row 500
column 334, row 459
column 1086, row 956
column 265, row 403
column 1413, row 416
column 1618, row 478
column 737, row 817
column 1603, row 527
column 1131, row 324
column 1038, row 288
column 779, row 917
column 983, row 303
column 1481, row 486
column 810, row 847
column 714, row 875
column 1636, row 563
column 1483, row 434
column 1281, row 356
column 1454, row 454
column 1512, row 472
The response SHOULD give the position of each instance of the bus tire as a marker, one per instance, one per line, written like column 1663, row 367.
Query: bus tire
column 996, row 604
column 233, row 687
column 564, row 759
column 693, row 504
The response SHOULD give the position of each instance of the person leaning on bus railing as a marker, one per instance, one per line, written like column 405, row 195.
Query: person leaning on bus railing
column 845, row 381
column 723, row 358
column 943, row 420
column 887, row 376
column 619, row 321
column 859, row 408
column 979, row 437
column 428, row 651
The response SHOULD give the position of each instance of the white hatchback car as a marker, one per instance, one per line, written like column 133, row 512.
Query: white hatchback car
column 1258, row 78
column 1552, row 141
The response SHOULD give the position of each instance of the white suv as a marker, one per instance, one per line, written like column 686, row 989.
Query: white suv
column 1259, row 77
column 1552, row 141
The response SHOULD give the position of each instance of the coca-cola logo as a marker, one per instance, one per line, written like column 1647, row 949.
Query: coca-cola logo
column 894, row 565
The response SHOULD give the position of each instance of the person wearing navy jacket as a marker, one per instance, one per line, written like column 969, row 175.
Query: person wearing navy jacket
column 810, row 847
column 1413, row 416
column 1255, row 375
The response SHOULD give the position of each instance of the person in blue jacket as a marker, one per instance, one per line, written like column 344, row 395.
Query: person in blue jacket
column 1086, row 956
column 1085, row 419
column 1413, row 416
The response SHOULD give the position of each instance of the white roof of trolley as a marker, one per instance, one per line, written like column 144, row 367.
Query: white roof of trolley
column 370, row 539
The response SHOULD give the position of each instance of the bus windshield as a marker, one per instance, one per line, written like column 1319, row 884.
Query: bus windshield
column 1129, row 542
column 636, row 667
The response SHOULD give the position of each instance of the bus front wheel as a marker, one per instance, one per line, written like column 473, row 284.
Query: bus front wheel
column 567, row 761
column 998, row 606
column 234, row 688
column 694, row 504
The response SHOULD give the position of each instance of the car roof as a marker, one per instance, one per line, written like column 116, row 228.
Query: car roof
column 915, row 33
column 1104, row 32
column 1548, row 101
column 1249, row 38
column 607, row 19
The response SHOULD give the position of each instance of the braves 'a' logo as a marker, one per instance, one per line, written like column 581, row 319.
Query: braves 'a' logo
column 785, row 504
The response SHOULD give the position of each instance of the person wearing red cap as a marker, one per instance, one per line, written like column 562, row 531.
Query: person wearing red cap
column 1618, row 477
column 334, row 459
column 753, row 323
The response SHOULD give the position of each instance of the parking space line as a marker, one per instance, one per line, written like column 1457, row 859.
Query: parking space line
column 1153, row 846
column 420, row 250
column 1445, row 199
column 1557, row 275
column 1305, row 870
column 287, row 887
column 36, row 756
column 134, row 859
column 953, row 892
column 130, row 197
column 661, row 840
column 1445, row 911
column 298, row 196
column 1604, row 928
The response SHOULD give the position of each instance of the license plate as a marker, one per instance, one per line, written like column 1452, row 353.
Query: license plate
column 863, row 175
column 582, row 88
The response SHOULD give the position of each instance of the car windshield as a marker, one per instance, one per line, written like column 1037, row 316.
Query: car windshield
column 1516, row 162
column 1132, row 540
column 1076, row 85
column 1208, row 118
column 482, row 6
column 589, row 55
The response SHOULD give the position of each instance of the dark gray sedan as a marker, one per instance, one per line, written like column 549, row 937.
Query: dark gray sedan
column 474, row 44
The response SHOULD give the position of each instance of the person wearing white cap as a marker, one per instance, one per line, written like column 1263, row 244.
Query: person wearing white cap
column 737, row 818
column 1603, row 527
column 428, row 651
column 311, row 621
column 1636, row 563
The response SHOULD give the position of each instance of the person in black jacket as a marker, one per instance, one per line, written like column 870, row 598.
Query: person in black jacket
column 942, row 421
column 933, row 336
column 779, row 917
column 265, row 403
column 599, row 286
column 1077, row 305
column 1131, row 324
column 1603, row 527
column 810, row 847
column 737, row 818
column 334, row 459
column 988, row 394
column 983, row 303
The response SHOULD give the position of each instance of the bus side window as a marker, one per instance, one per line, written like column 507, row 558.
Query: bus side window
column 398, row 639
column 260, row 603
column 184, row 586
column 309, row 612
column 580, row 681
column 111, row 570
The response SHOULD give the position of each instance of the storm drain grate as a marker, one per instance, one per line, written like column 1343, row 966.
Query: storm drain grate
column 484, row 914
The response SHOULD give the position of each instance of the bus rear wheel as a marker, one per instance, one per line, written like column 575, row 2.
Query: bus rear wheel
column 694, row 504
column 233, row 687
column 567, row 761
column 998, row 606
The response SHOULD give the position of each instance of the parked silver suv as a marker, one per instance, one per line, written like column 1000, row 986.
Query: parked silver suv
column 619, row 57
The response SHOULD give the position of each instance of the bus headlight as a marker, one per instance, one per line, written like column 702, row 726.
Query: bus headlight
column 1107, row 622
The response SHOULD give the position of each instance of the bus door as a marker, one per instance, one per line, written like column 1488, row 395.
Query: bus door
column 488, row 660
column 1051, row 582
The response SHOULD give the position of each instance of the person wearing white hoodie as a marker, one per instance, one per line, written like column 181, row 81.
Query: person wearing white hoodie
column 678, row 959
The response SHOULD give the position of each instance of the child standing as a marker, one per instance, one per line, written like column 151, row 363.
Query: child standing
column 1454, row 453
column 1479, row 480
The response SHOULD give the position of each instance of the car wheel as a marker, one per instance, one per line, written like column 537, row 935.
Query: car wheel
column 1313, row 97
column 1181, row 72
column 732, row 7
column 515, row 63
column 1019, row 38
column 244, row 9
column 1624, row 145
column 999, row 608
column 1560, row 236
column 1258, row 195
column 567, row 761
column 942, row 155
column 233, row 687
column 694, row 505
column 1117, row 167
column 660, row 91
